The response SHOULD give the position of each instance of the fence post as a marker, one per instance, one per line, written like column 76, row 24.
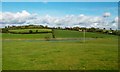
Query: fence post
column 84, row 36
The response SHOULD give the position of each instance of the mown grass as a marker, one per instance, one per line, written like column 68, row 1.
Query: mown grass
column 77, row 34
column 27, row 30
column 58, row 34
column 98, row 54
column 0, row 51
column 26, row 36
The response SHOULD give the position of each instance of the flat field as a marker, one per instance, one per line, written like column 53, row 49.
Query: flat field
column 28, row 52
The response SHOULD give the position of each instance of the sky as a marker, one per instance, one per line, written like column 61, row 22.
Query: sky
column 61, row 8
column 82, row 14
column 61, row 0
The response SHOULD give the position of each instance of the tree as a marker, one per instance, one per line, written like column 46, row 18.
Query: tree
column 5, row 27
column 30, row 31
column 4, row 30
column 91, row 29
column 104, row 29
column 110, row 28
column 46, row 26
column 36, row 31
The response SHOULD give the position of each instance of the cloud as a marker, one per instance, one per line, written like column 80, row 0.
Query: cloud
column 107, row 14
column 45, row 2
column 116, row 19
column 16, row 18
column 26, row 18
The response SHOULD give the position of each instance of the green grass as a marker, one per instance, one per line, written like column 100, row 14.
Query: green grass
column 0, row 52
column 77, row 34
column 98, row 54
column 26, row 36
column 58, row 34
column 27, row 30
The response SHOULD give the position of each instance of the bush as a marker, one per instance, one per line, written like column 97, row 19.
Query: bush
column 47, row 38
column 36, row 31
column 30, row 31
column 5, row 31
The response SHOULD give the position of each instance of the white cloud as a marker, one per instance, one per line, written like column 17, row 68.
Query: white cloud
column 115, row 23
column 26, row 18
column 116, row 19
column 45, row 2
column 107, row 14
column 16, row 18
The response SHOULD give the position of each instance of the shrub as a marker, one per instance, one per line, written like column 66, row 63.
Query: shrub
column 36, row 31
column 5, row 31
column 30, row 31
column 47, row 38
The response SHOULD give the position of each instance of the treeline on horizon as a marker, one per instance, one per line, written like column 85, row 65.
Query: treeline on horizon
column 81, row 29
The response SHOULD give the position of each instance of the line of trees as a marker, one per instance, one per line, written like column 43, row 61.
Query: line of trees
column 25, row 27
column 97, row 30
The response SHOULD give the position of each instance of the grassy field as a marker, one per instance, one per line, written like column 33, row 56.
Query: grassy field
column 77, row 34
column 26, row 36
column 0, row 52
column 58, row 34
column 27, row 30
column 98, row 54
